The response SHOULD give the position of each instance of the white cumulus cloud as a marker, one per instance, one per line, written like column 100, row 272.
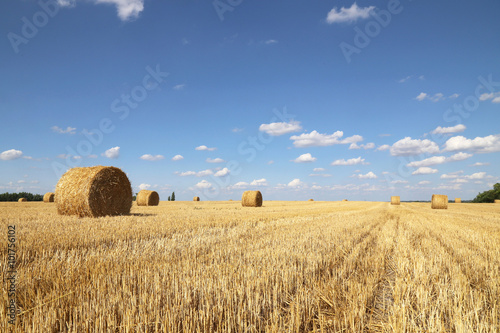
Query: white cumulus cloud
column 435, row 160
column 215, row 160
column 305, row 158
column 351, row 161
column 434, row 98
column 126, row 9
column 495, row 97
column 202, row 173
column 149, row 157
column 112, row 153
column 222, row 172
column 408, row 147
column 383, row 147
column 295, row 183
column 449, row 130
column 315, row 139
column 424, row 171
column 144, row 186
column 350, row 14
column 488, row 144
column 203, row 147
column 276, row 129
column 259, row 182
column 11, row 154
column 177, row 158
column 203, row 184
column 68, row 130
column 369, row 175
column 369, row 145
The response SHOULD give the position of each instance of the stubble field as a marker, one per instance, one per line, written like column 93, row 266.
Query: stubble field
column 284, row 267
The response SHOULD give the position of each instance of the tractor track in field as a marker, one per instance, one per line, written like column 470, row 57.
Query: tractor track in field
column 378, row 312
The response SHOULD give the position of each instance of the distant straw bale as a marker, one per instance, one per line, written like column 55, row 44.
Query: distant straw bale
column 22, row 200
column 48, row 197
column 458, row 200
column 196, row 199
column 94, row 192
column 311, row 199
column 148, row 198
column 251, row 199
column 439, row 201
column 395, row 200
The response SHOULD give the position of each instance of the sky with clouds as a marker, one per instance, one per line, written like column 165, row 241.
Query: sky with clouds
column 326, row 99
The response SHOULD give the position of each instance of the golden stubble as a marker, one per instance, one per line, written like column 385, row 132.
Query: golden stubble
column 285, row 267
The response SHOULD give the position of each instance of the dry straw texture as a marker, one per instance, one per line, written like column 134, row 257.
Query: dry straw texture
column 48, row 197
column 439, row 201
column 251, row 199
column 148, row 198
column 458, row 200
column 196, row 199
column 93, row 192
column 22, row 200
column 311, row 199
column 395, row 200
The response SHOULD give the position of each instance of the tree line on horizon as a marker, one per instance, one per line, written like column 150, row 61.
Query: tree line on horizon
column 16, row 196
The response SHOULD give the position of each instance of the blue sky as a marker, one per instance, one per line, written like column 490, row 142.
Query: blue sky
column 299, row 99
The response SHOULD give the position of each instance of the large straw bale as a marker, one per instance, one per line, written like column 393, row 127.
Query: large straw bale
column 48, row 197
column 93, row 192
column 251, row 199
column 147, row 198
column 439, row 201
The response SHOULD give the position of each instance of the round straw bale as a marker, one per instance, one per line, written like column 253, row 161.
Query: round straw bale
column 395, row 200
column 251, row 199
column 439, row 201
column 345, row 200
column 93, row 192
column 497, row 201
column 311, row 199
column 148, row 198
column 458, row 200
column 22, row 200
column 196, row 199
column 48, row 197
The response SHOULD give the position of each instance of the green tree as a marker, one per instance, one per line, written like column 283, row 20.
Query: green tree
column 169, row 198
column 173, row 196
column 15, row 196
column 489, row 196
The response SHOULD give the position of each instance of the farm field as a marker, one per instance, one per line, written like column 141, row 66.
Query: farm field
column 284, row 267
